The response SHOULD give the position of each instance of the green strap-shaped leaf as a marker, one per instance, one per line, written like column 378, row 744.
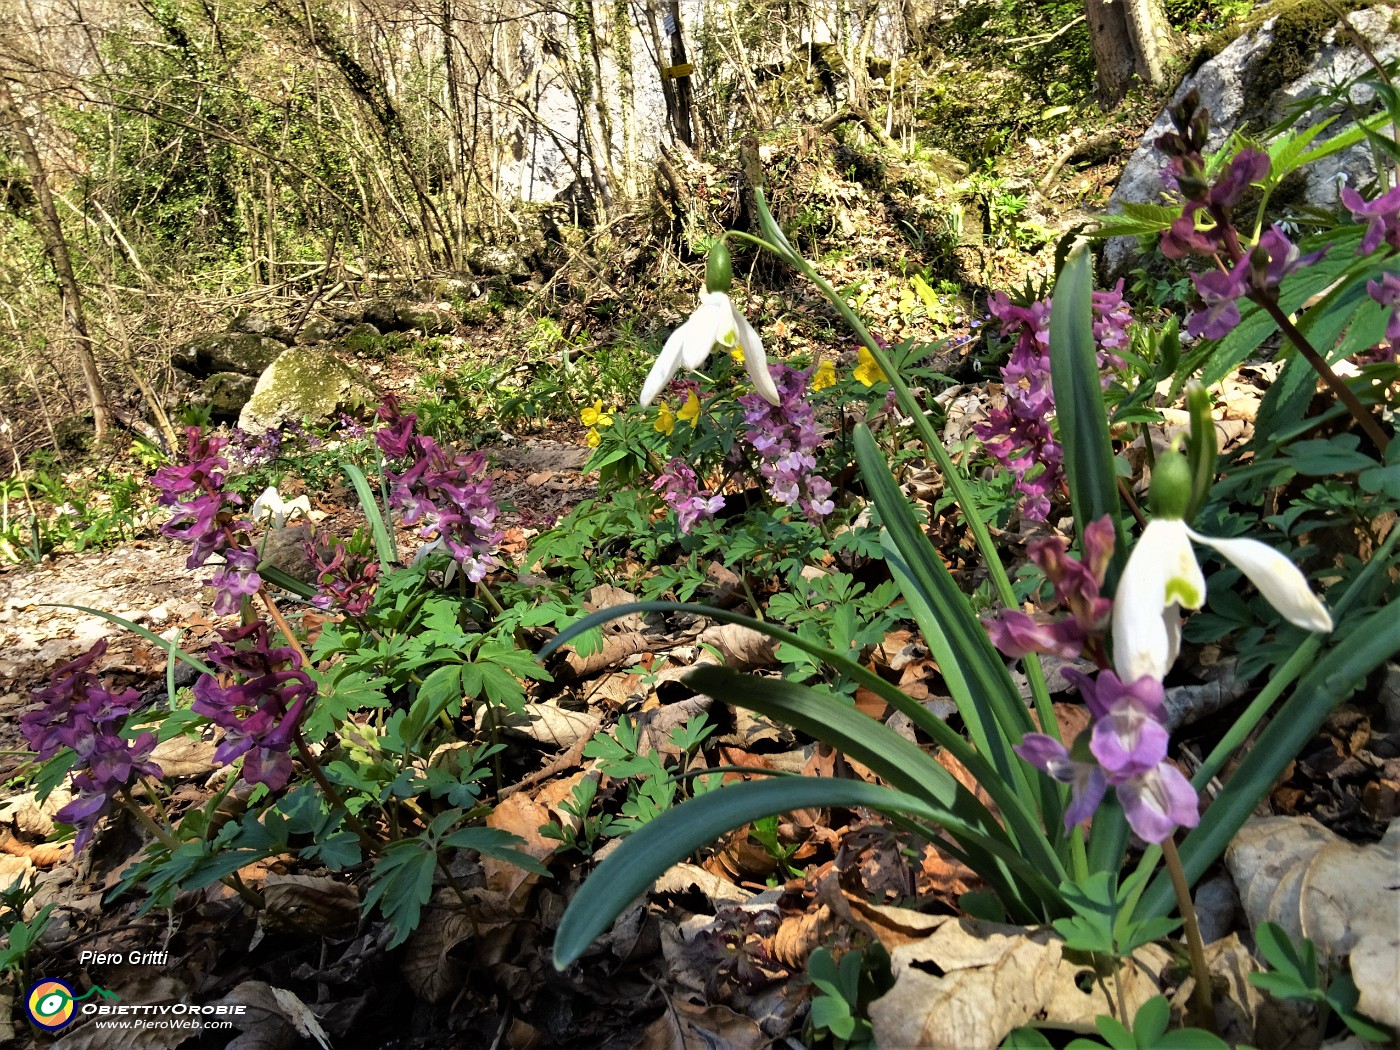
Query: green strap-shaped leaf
column 643, row 856
column 1000, row 790
column 900, row 762
column 384, row 543
column 988, row 700
column 171, row 648
column 1074, row 375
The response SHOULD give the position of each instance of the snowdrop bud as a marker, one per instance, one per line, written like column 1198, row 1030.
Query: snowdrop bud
column 1170, row 494
column 719, row 268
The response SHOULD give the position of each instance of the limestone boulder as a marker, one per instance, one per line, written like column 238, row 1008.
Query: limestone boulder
column 408, row 315
column 245, row 353
column 1299, row 50
column 304, row 384
column 225, row 394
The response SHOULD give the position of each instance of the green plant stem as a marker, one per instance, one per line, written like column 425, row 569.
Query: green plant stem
column 952, row 473
column 1201, row 995
column 367, row 841
column 170, row 842
column 1365, row 419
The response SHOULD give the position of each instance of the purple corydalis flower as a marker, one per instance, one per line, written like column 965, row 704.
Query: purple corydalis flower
column 450, row 494
column 1257, row 274
column 1386, row 291
column 1382, row 217
column 345, row 580
column 1128, row 737
column 680, row 490
column 1157, row 802
column 78, row 711
column 205, row 517
column 785, row 437
column 259, row 715
column 1076, row 586
column 1087, row 781
column 1018, row 434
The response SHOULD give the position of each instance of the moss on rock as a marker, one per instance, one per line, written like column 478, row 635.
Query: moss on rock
column 303, row 384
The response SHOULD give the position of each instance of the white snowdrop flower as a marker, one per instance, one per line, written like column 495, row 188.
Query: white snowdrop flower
column 715, row 322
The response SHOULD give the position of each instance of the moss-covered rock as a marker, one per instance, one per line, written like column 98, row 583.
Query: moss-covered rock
column 242, row 352
column 225, row 394
column 305, row 384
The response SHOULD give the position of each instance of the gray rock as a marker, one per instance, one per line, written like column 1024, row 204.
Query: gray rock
column 1228, row 85
column 496, row 260
column 225, row 393
column 241, row 352
column 406, row 315
column 260, row 324
column 302, row 385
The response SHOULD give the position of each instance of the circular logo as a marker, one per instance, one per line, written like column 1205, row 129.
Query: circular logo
column 50, row 1005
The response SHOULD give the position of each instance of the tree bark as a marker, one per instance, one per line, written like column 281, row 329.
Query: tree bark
column 1130, row 39
column 56, row 246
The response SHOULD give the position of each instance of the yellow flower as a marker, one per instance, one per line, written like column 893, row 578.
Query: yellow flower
column 665, row 420
column 593, row 438
column 868, row 370
column 737, row 354
column 691, row 411
column 825, row 375
column 596, row 417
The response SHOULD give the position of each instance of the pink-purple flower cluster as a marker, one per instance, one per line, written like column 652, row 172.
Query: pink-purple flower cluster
column 1382, row 218
column 1018, row 434
column 206, row 517
column 680, row 490
column 259, row 714
column 1254, row 273
column 1077, row 585
column 449, row 494
column 785, row 437
column 1259, row 272
column 1126, row 749
column 345, row 579
column 77, row 711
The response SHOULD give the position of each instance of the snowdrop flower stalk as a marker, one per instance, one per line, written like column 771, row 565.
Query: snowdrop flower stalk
column 715, row 322
column 1162, row 577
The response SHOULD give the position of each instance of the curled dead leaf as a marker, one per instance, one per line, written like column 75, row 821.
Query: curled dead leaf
column 310, row 904
column 1343, row 897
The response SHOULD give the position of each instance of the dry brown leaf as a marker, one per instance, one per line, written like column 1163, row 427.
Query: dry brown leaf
column 275, row 1018
column 310, row 904
column 617, row 648
column 551, row 726
column 1343, row 897
column 523, row 816
column 428, row 967
column 992, row 978
column 159, row 990
column 31, row 817
column 742, row 648
column 687, row 1027
column 181, row 756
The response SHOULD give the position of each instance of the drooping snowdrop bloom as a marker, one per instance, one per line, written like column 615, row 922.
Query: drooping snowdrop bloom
column 1162, row 577
column 270, row 506
column 715, row 322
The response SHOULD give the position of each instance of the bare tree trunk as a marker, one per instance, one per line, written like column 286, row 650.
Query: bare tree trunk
column 1130, row 39
column 51, row 230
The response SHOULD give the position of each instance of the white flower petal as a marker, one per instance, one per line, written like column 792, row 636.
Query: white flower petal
column 755, row 360
column 1278, row 579
column 269, row 505
column 665, row 367
column 1161, row 575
